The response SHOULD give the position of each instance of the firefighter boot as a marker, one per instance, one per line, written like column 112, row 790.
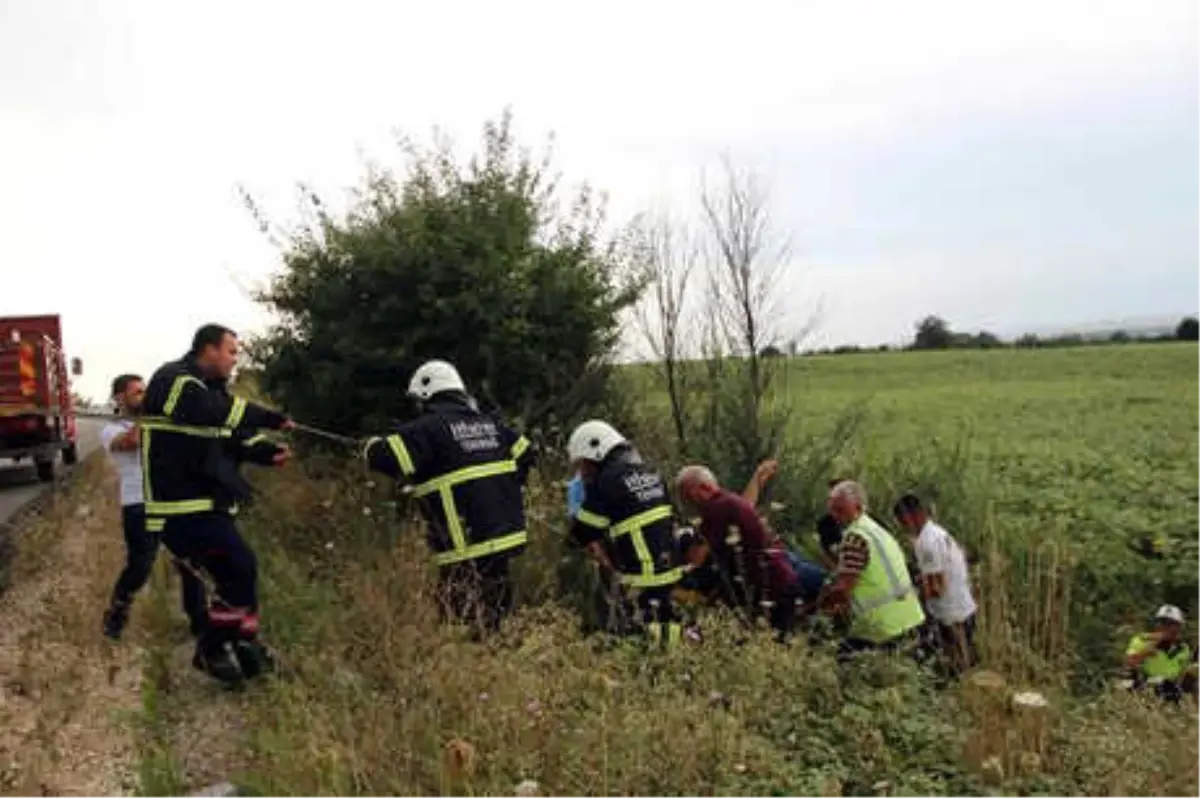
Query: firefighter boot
column 254, row 658
column 218, row 663
column 115, row 618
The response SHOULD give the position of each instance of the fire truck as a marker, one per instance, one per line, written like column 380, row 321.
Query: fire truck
column 37, row 411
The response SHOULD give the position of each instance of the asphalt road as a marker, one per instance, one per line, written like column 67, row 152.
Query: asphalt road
column 19, row 483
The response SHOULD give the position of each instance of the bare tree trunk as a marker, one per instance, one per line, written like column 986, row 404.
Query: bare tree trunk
column 746, row 266
column 669, row 253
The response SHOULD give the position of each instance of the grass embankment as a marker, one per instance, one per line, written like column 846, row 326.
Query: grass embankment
column 384, row 700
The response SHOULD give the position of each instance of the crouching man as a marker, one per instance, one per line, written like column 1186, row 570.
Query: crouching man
column 872, row 579
column 1162, row 658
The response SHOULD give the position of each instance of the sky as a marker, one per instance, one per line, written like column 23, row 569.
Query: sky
column 1006, row 165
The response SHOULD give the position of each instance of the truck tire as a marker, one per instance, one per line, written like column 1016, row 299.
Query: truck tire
column 70, row 455
column 45, row 470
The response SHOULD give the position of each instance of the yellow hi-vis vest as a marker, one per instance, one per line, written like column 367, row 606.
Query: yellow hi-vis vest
column 1161, row 664
column 885, row 601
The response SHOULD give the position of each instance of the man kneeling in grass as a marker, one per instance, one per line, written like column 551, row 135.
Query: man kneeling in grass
column 1162, row 658
column 872, row 578
column 753, row 567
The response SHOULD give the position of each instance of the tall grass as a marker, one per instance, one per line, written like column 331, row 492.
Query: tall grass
column 385, row 700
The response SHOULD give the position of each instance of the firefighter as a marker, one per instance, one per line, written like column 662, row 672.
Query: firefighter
column 194, row 435
column 467, row 471
column 626, row 524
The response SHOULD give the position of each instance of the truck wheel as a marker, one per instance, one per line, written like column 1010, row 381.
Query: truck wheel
column 70, row 455
column 45, row 470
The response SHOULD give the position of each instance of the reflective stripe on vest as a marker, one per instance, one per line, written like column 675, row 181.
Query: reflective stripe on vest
column 444, row 487
column 634, row 527
column 476, row 550
column 151, row 424
column 1161, row 664
column 885, row 604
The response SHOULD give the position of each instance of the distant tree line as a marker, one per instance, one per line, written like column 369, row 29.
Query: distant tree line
column 933, row 332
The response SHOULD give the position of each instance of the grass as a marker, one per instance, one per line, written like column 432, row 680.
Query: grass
column 1048, row 462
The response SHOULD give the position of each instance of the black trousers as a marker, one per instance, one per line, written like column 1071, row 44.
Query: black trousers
column 210, row 542
column 141, row 550
column 477, row 592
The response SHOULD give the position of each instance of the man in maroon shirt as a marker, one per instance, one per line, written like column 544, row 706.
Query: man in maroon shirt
column 754, row 569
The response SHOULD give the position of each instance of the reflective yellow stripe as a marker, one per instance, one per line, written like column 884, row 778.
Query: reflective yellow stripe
column 633, row 527
column 457, row 539
column 468, row 474
column 144, row 446
column 166, row 425
column 185, row 507
column 641, row 519
column 155, row 524
column 256, row 439
column 177, row 387
column 654, row 631
column 643, row 551
column 236, row 413
column 657, row 580
column 483, row 549
column 520, row 447
column 592, row 519
column 444, row 485
column 403, row 458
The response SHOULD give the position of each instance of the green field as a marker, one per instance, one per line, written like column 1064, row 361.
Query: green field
column 1048, row 463
column 1100, row 441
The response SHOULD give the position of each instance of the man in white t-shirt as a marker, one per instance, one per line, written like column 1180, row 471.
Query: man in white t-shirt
column 120, row 441
column 944, row 581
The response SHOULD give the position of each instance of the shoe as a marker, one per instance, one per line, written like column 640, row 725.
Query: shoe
column 115, row 618
column 254, row 658
column 219, row 664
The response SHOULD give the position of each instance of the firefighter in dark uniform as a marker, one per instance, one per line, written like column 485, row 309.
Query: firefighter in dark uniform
column 193, row 438
column 467, row 472
column 626, row 525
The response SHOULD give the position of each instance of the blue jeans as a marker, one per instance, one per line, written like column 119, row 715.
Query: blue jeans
column 810, row 576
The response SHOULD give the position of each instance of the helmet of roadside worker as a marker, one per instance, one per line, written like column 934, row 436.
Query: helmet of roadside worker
column 434, row 377
column 1169, row 612
column 593, row 440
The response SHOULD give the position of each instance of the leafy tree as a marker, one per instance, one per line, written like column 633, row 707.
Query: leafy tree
column 476, row 264
column 933, row 333
column 1188, row 329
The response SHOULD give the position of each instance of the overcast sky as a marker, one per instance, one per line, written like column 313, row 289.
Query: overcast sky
column 1011, row 165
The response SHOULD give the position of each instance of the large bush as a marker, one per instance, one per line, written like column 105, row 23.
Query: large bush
column 477, row 264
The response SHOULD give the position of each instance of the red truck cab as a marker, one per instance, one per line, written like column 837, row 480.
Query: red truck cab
column 37, row 411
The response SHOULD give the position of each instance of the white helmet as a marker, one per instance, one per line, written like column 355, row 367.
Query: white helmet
column 433, row 377
column 1169, row 612
column 593, row 440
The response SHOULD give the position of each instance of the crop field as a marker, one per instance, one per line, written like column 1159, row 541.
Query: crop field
column 1099, row 443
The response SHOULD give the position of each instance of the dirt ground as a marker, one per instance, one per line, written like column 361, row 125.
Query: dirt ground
column 72, row 713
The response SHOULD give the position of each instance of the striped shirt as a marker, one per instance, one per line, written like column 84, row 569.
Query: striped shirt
column 853, row 555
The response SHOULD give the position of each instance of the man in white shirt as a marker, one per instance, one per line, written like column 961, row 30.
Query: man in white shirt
column 120, row 442
column 945, row 583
